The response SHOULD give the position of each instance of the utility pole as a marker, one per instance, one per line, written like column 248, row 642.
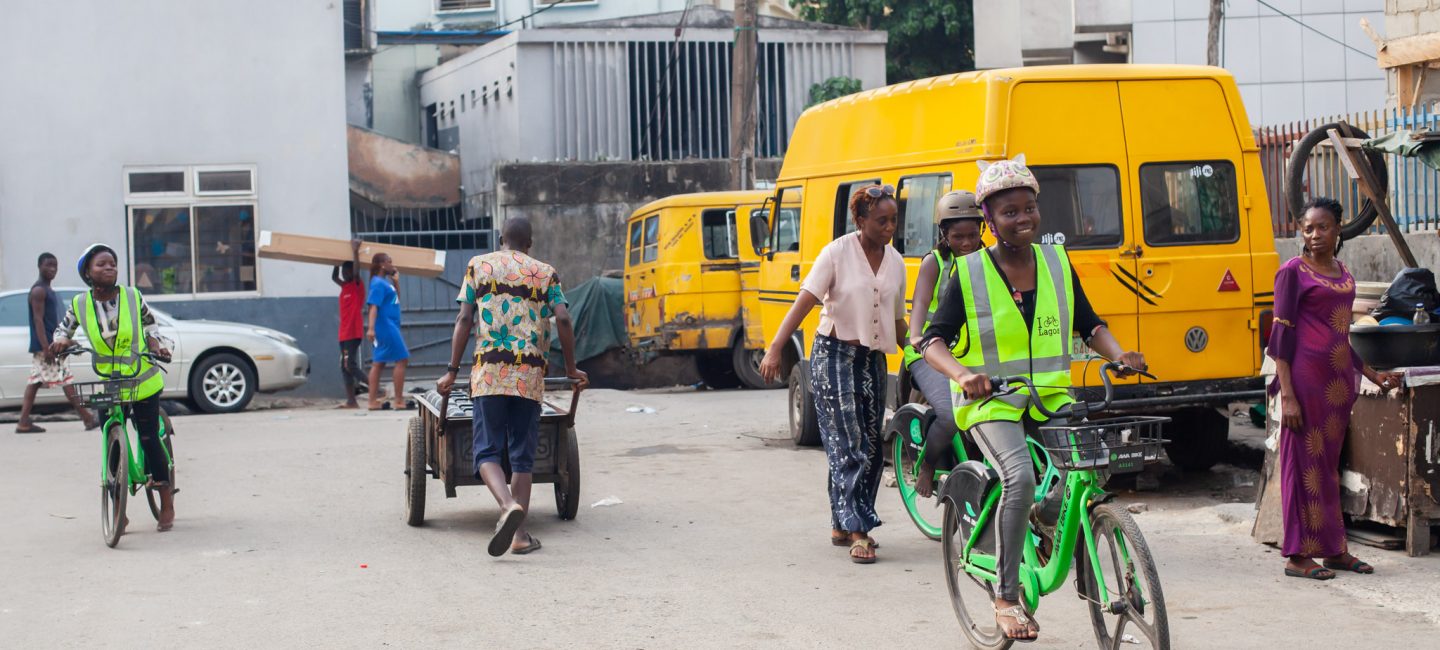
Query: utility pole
column 1212, row 40
column 742, row 97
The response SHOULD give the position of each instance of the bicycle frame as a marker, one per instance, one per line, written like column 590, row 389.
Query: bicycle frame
column 1045, row 472
column 116, row 417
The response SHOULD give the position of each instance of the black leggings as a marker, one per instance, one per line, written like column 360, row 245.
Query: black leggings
column 350, row 366
column 145, row 416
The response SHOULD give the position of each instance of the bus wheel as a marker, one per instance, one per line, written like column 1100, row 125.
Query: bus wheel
column 1198, row 438
column 716, row 371
column 747, row 367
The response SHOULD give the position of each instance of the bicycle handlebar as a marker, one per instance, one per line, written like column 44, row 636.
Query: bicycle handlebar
column 1074, row 410
column 149, row 356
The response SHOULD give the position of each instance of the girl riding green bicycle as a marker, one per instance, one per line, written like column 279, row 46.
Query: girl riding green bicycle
column 122, row 332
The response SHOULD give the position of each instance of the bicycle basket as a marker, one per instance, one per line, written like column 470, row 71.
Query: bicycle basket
column 104, row 395
column 1123, row 444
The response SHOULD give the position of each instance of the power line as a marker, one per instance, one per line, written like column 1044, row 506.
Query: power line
column 1327, row 36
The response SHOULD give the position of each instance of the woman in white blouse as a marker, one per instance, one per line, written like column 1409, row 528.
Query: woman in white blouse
column 860, row 280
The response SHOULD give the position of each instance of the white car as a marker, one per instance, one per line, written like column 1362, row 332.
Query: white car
column 218, row 367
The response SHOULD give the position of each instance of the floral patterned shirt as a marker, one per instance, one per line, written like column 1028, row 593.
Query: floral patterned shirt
column 515, row 297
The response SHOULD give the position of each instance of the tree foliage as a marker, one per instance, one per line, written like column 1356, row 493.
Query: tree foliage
column 927, row 37
column 833, row 88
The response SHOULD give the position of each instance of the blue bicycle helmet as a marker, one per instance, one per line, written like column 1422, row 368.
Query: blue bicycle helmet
column 84, row 262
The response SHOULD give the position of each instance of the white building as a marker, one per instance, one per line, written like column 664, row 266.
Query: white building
column 176, row 131
column 1293, row 59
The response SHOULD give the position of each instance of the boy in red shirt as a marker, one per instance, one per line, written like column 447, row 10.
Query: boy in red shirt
column 352, row 323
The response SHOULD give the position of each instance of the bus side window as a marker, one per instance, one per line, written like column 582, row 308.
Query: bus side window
column 785, row 237
column 915, row 234
column 717, row 228
column 652, row 238
column 845, row 225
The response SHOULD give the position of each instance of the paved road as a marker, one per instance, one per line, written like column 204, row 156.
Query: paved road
column 291, row 534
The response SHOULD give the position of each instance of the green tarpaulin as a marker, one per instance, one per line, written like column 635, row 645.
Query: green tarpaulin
column 1401, row 144
column 598, row 308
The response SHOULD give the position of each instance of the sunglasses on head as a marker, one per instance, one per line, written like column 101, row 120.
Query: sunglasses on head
column 877, row 191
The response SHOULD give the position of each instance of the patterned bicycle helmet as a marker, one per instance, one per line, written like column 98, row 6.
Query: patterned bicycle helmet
column 84, row 262
column 996, row 177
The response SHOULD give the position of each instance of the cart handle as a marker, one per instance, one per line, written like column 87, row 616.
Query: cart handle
column 574, row 395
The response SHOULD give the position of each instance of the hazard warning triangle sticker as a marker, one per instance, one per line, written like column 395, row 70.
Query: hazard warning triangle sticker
column 1228, row 282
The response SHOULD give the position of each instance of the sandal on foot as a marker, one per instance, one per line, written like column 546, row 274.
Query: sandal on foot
column 1355, row 565
column 527, row 549
column 1024, row 622
column 30, row 429
column 1316, row 572
column 864, row 545
column 510, row 521
column 843, row 539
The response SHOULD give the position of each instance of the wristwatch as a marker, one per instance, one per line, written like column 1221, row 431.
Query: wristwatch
column 454, row 369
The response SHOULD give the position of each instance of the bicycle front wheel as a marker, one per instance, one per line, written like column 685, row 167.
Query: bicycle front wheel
column 1130, row 610
column 922, row 511
column 972, row 597
column 114, row 484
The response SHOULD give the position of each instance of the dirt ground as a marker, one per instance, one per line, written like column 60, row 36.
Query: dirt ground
column 291, row 533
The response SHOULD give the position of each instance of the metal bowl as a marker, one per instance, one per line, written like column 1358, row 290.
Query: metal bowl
column 1397, row 346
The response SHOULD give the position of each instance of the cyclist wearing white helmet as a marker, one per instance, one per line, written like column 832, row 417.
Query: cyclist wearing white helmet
column 960, row 226
column 1019, row 303
column 120, row 328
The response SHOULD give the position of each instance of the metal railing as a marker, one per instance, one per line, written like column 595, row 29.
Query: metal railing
column 1413, row 188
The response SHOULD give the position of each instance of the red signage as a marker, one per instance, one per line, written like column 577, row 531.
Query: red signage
column 1228, row 282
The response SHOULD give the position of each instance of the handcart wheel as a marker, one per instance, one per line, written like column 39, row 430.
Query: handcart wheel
column 152, row 495
column 415, row 473
column 567, row 485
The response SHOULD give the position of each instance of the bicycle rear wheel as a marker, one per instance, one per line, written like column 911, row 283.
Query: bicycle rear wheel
column 972, row 597
column 924, row 512
column 114, row 485
column 152, row 496
column 1132, row 604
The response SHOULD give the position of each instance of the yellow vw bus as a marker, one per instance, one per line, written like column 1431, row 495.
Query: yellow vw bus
column 691, row 284
column 1150, row 177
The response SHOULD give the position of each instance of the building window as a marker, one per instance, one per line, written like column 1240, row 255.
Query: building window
column 718, row 229
column 464, row 5
column 198, row 240
column 543, row 3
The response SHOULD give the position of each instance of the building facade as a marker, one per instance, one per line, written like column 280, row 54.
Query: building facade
column 179, row 161
column 1292, row 59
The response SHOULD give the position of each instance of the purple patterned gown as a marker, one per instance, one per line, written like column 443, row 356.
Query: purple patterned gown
column 1312, row 326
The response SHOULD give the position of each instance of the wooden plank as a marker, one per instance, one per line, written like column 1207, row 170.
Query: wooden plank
column 1369, row 186
column 423, row 262
column 1409, row 50
column 1352, row 143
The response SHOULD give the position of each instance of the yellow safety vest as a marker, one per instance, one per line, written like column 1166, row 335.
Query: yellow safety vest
column 123, row 358
column 947, row 267
column 1001, row 345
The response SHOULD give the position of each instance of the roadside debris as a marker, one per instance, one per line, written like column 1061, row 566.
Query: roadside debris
column 606, row 502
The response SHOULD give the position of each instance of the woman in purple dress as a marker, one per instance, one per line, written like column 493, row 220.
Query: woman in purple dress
column 1316, row 375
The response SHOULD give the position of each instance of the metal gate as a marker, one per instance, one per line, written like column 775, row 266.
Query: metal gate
column 427, row 305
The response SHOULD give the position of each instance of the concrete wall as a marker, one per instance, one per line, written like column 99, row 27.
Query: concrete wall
column 1372, row 258
column 358, row 91
column 395, row 75
column 168, row 82
column 579, row 210
column 490, row 131
column 1410, row 18
column 1285, row 71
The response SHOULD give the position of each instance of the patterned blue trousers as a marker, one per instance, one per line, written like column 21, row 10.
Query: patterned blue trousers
column 848, row 385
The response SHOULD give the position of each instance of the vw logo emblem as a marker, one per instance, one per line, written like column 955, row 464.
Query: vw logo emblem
column 1196, row 339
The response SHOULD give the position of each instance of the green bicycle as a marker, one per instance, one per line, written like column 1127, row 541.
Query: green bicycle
column 1116, row 573
column 122, row 467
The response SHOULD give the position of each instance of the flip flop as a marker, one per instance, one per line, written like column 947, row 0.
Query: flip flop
column 1356, row 565
column 844, row 540
column 864, row 544
column 31, row 429
column 1314, row 573
column 510, row 521
column 533, row 546
column 93, row 425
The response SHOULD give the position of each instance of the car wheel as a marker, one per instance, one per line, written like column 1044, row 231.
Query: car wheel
column 222, row 383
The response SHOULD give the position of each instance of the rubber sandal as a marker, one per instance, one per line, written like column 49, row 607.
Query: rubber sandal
column 1356, row 565
column 533, row 546
column 1313, row 573
column 31, row 429
column 1022, row 619
column 843, row 539
column 863, row 544
column 510, row 521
